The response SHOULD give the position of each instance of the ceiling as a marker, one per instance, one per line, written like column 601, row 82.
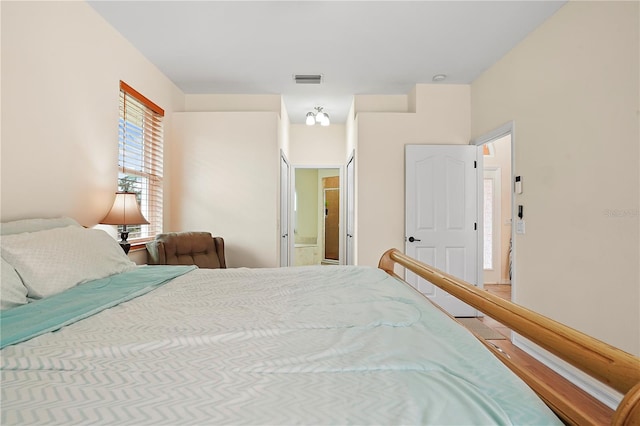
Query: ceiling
column 359, row 47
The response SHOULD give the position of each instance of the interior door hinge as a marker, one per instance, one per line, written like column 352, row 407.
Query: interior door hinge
column 475, row 226
column 475, row 164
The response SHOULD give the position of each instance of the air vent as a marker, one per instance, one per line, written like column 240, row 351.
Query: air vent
column 308, row 78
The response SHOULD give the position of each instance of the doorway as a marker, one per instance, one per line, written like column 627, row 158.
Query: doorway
column 497, row 210
column 497, row 244
column 316, row 215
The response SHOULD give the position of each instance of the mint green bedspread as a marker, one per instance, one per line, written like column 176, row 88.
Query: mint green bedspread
column 326, row 345
column 44, row 315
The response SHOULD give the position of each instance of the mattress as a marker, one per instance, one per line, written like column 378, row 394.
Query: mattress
column 300, row 345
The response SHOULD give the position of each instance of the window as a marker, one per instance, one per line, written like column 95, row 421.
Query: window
column 488, row 223
column 140, row 158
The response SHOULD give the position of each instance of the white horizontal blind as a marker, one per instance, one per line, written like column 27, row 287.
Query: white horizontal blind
column 140, row 143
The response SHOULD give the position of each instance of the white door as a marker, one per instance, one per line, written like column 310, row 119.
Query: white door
column 284, row 210
column 350, row 188
column 441, row 217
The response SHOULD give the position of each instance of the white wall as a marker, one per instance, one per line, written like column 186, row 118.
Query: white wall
column 226, row 181
column 442, row 117
column 61, row 67
column 572, row 89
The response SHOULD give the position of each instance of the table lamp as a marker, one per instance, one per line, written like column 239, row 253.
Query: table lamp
column 125, row 211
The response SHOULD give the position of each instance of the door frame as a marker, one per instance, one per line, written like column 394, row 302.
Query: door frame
column 285, row 211
column 349, row 198
column 292, row 186
column 508, row 128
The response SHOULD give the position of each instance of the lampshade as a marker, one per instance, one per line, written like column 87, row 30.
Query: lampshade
column 125, row 211
column 324, row 120
column 311, row 120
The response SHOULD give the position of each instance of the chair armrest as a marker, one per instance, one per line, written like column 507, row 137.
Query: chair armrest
column 155, row 253
column 219, row 244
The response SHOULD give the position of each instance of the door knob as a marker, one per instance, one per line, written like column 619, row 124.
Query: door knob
column 411, row 239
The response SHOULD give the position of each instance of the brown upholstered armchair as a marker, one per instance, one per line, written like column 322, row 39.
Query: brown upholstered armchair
column 187, row 248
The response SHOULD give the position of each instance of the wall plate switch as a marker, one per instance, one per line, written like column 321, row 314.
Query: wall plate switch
column 520, row 226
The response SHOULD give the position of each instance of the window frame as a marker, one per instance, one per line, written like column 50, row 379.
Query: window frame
column 148, row 164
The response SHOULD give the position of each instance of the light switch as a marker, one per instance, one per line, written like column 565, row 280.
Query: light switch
column 520, row 226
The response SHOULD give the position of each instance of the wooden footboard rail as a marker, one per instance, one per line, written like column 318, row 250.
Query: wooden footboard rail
column 609, row 365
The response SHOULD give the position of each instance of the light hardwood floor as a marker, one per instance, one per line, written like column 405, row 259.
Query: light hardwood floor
column 597, row 410
column 504, row 291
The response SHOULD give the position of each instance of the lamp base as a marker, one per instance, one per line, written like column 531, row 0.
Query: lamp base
column 124, row 243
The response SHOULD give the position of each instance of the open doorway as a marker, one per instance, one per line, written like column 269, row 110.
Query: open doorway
column 316, row 216
column 497, row 210
column 497, row 245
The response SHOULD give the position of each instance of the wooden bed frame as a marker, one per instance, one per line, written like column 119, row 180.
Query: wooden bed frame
column 607, row 364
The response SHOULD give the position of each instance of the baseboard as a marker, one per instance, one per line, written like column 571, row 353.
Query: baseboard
column 603, row 393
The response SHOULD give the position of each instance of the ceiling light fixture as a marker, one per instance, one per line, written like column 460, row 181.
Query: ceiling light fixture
column 439, row 77
column 319, row 117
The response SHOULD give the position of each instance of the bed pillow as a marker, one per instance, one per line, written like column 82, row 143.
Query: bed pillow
column 33, row 225
column 12, row 292
column 54, row 260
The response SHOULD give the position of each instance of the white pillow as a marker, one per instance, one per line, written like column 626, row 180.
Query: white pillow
column 12, row 292
column 33, row 225
column 54, row 260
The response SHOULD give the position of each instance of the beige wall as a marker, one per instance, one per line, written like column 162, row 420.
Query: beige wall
column 61, row 67
column 233, row 103
column 572, row 89
column 226, row 181
column 442, row 117
column 307, row 198
column 227, row 174
column 386, row 103
column 317, row 145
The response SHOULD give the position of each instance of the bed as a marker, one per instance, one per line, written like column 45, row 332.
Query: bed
column 117, row 343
